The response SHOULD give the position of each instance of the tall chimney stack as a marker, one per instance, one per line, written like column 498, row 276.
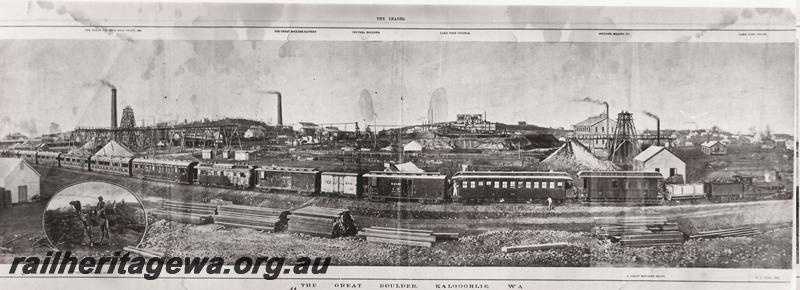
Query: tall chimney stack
column 280, row 111
column 113, row 108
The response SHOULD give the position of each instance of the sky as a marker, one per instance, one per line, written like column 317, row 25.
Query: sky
column 57, row 84
column 733, row 85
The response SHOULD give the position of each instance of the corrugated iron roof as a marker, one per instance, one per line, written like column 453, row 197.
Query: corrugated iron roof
column 621, row 174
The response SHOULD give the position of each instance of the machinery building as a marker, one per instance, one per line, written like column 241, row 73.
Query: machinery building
column 661, row 160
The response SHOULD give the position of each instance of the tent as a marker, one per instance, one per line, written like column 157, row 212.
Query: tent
column 412, row 146
column 112, row 148
column 573, row 151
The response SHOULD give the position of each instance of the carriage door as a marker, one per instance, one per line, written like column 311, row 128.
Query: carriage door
column 22, row 190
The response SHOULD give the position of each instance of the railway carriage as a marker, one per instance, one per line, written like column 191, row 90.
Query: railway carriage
column 48, row 158
column 300, row 180
column 475, row 186
column 109, row 164
column 225, row 175
column 73, row 161
column 421, row 187
column 167, row 170
column 341, row 183
column 28, row 155
column 634, row 187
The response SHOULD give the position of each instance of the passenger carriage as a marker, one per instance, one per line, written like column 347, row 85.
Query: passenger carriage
column 225, row 175
column 48, row 158
column 406, row 186
column 300, row 180
column 633, row 187
column 80, row 162
column 27, row 155
column 109, row 164
column 476, row 186
column 179, row 171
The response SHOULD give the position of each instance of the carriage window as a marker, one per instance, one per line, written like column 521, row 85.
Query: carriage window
column 497, row 184
column 472, row 184
column 560, row 184
column 463, row 184
column 480, row 183
column 614, row 184
column 527, row 184
column 513, row 184
column 505, row 184
column 552, row 184
column 536, row 184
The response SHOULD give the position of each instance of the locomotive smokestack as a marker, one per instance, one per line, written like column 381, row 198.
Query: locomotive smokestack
column 113, row 108
column 280, row 106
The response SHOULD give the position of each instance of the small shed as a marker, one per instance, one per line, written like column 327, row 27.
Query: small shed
column 242, row 155
column 661, row 160
column 714, row 148
column 20, row 178
column 208, row 154
column 412, row 146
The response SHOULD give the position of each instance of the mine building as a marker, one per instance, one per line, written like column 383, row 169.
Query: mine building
column 661, row 160
column 20, row 178
column 593, row 131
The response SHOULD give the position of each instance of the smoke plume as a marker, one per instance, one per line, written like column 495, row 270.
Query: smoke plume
column 366, row 106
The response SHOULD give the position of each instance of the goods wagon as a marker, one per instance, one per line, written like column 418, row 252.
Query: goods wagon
column 75, row 161
column 727, row 189
column 635, row 187
column 47, row 158
column 685, row 191
column 421, row 187
column 470, row 186
column 300, row 180
column 168, row 170
column 341, row 183
column 225, row 175
column 114, row 165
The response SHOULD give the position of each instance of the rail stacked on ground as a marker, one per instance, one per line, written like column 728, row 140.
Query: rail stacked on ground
column 186, row 212
column 253, row 217
column 322, row 222
column 639, row 231
column 399, row 236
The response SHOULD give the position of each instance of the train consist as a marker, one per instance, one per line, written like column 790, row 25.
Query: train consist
column 598, row 187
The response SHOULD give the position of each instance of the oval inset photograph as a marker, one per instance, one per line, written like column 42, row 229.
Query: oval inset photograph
column 94, row 216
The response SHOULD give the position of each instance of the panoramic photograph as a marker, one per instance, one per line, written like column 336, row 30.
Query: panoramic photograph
column 537, row 154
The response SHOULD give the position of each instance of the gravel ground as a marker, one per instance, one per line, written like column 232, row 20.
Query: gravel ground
column 771, row 249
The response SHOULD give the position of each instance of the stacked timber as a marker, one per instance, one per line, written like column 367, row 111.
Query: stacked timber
column 733, row 232
column 253, row 217
column 186, row 212
column 399, row 236
column 639, row 231
column 144, row 252
column 322, row 222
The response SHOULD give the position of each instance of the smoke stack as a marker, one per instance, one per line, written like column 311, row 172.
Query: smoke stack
column 658, row 127
column 113, row 108
column 280, row 106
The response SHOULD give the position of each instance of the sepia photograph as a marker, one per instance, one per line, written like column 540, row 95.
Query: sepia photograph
column 587, row 147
